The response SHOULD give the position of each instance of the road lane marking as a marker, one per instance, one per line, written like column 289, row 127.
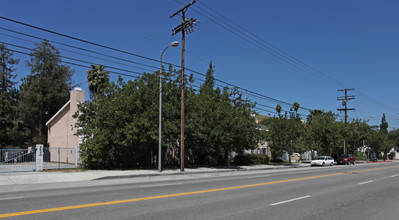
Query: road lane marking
column 19, row 197
column 170, row 195
column 381, row 168
column 291, row 200
column 394, row 175
column 157, row 185
column 365, row 182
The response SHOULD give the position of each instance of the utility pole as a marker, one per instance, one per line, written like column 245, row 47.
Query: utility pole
column 345, row 100
column 185, row 26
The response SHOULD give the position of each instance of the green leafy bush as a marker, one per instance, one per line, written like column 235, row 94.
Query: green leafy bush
column 359, row 155
column 251, row 159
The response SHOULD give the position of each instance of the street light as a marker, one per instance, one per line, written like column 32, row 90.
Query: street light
column 173, row 44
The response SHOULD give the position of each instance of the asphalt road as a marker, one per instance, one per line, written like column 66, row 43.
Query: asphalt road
column 339, row 192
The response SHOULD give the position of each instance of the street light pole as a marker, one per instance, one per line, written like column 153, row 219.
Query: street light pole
column 173, row 44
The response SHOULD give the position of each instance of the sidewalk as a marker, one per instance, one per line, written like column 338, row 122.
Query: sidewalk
column 58, row 176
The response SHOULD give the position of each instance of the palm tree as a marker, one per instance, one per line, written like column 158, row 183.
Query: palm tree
column 295, row 106
column 279, row 109
column 97, row 78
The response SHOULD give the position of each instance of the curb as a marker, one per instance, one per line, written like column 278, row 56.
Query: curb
column 199, row 172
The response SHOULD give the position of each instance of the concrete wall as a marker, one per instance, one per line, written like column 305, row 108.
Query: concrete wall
column 61, row 130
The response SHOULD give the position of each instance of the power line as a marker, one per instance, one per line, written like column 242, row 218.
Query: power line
column 74, row 59
column 268, row 47
column 241, row 31
column 118, row 73
column 186, row 25
column 83, row 54
column 79, row 60
column 208, row 9
column 74, row 64
column 221, row 81
column 265, row 47
column 79, row 48
column 78, row 39
column 129, row 53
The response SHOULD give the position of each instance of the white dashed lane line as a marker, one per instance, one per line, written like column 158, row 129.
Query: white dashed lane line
column 291, row 200
column 20, row 197
column 365, row 182
column 394, row 175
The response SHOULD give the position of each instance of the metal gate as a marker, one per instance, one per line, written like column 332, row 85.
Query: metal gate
column 17, row 160
column 24, row 160
column 60, row 158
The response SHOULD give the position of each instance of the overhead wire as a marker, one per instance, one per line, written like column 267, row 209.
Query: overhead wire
column 74, row 64
column 258, row 44
column 77, row 48
column 83, row 54
column 285, row 54
column 74, row 59
column 270, row 47
column 118, row 73
column 151, row 59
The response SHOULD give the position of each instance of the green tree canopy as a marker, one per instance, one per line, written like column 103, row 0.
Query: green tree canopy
column 121, row 129
column 44, row 91
column 393, row 138
column 8, row 97
column 285, row 131
column 384, row 125
column 323, row 132
column 358, row 131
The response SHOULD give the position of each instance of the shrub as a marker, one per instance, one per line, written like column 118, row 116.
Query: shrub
column 251, row 159
column 359, row 155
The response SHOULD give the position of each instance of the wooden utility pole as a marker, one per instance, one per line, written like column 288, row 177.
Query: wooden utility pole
column 186, row 25
column 345, row 100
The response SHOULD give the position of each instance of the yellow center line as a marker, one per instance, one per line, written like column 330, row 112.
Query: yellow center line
column 172, row 195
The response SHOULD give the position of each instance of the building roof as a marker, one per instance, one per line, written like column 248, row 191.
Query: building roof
column 59, row 111
column 262, row 117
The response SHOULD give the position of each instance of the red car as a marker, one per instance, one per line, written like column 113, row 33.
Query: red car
column 346, row 159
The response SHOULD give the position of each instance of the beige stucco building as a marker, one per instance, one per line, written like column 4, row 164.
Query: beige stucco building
column 62, row 140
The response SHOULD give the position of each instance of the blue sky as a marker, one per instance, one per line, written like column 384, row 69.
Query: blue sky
column 354, row 43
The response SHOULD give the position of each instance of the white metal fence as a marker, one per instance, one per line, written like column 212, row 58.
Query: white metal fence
column 24, row 160
column 12, row 160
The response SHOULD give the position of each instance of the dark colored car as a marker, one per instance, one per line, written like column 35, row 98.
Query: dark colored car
column 346, row 159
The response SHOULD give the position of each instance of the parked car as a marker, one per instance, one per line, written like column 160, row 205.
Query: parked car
column 346, row 159
column 322, row 160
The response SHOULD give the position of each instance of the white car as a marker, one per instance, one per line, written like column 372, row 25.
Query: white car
column 322, row 160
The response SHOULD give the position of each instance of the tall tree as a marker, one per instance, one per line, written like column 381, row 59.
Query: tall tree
column 284, row 132
column 279, row 109
column 393, row 137
column 384, row 125
column 295, row 106
column 358, row 132
column 384, row 131
column 44, row 91
column 209, row 78
column 98, row 79
column 8, row 96
column 323, row 132
column 377, row 142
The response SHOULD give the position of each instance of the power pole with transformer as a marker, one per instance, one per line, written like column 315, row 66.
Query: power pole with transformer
column 185, row 26
column 345, row 108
